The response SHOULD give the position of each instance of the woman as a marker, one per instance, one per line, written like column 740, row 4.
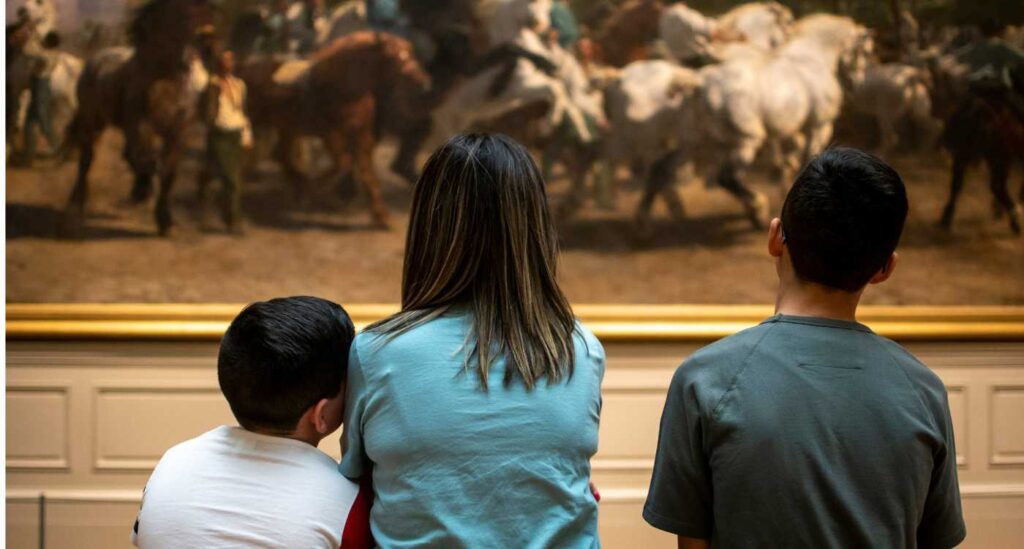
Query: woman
column 476, row 408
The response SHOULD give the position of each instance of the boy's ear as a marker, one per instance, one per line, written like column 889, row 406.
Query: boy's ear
column 886, row 271
column 320, row 420
column 776, row 241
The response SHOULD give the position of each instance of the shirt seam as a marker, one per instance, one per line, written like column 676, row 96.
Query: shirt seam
column 858, row 328
column 735, row 380
column 913, row 387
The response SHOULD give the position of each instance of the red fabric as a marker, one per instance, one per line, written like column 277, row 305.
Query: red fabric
column 356, row 533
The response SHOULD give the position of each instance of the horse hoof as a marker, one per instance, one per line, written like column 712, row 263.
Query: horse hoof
column 643, row 230
column 140, row 193
column 164, row 227
column 758, row 211
column 71, row 226
column 348, row 189
column 643, row 236
column 237, row 228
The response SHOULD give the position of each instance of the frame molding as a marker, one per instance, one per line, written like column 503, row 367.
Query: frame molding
column 620, row 323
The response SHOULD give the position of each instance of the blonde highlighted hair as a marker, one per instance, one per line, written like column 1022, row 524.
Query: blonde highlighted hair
column 481, row 237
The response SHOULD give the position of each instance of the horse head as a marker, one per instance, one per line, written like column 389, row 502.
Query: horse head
column 628, row 30
column 854, row 58
column 539, row 15
column 400, row 63
column 162, row 30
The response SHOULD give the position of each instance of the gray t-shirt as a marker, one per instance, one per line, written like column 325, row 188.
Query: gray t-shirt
column 807, row 432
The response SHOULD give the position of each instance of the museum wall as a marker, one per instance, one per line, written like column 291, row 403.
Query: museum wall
column 87, row 421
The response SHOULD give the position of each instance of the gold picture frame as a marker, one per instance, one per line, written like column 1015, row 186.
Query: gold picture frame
column 620, row 323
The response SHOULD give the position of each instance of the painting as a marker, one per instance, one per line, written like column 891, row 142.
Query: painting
column 200, row 151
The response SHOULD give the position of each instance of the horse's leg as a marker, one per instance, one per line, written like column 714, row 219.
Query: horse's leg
column 141, row 159
column 754, row 203
column 341, row 156
column 818, row 137
column 643, row 209
column 664, row 174
column 889, row 137
column 956, row 185
column 74, row 213
column 999, row 175
column 366, row 173
column 412, row 140
column 791, row 161
column 660, row 176
column 604, row 183
column 579, row 168
column 170, row 155
column 285, row 157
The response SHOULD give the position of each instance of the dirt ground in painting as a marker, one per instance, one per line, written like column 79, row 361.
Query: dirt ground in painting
column 329, row 249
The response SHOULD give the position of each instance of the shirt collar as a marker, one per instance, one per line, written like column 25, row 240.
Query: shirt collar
column 819, row 321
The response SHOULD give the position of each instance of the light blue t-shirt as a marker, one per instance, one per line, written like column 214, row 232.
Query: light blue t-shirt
column 455, row 466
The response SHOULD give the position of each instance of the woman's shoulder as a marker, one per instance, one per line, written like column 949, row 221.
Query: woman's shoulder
column 588, row 343
column 438, row 332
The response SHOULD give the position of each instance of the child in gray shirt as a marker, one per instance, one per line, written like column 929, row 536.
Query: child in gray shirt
column 810, row 430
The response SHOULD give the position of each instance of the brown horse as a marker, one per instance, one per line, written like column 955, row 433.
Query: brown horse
column 145, row 93
column 340, row 100
column 625, row 35
column 985, row 129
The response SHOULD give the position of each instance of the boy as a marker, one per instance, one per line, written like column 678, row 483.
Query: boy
column 228, row 133
column 282, row 368
column 810, row 430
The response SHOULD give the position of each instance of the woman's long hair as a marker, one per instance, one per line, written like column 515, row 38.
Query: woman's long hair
column 481, row 237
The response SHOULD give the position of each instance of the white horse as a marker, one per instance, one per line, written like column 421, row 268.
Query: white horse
column 788, row 101
column 645, row 109
column 646, row 112
column 63, row 98
column 762, row 24
column 781, row 104
column 890, row 93
column 688, row 34
column 519, row 22
column 43, row 13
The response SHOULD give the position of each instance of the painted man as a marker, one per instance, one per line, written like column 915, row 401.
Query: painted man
column 228, row 133
column 44, row 56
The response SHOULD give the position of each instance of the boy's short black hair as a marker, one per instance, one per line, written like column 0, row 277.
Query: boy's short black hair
column 843, row 218
column 280, row 357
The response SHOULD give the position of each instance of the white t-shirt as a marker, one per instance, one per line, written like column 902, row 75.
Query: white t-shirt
column 235, row 488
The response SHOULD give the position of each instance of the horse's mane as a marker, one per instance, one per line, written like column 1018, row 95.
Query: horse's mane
column 631, row 24
column 355, row 40
column 153, row 15
column 349, row 41
column 143, row 20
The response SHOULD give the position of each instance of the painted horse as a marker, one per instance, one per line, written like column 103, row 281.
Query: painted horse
column 338, row 96
column 148, row 92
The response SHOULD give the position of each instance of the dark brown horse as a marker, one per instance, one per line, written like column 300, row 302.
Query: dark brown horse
column 985, row 128
column 340, row 100
column 625, row 35
column 145, row 92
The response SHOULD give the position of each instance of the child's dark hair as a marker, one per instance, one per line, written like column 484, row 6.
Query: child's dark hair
column 843, row 218
column 280, row 357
